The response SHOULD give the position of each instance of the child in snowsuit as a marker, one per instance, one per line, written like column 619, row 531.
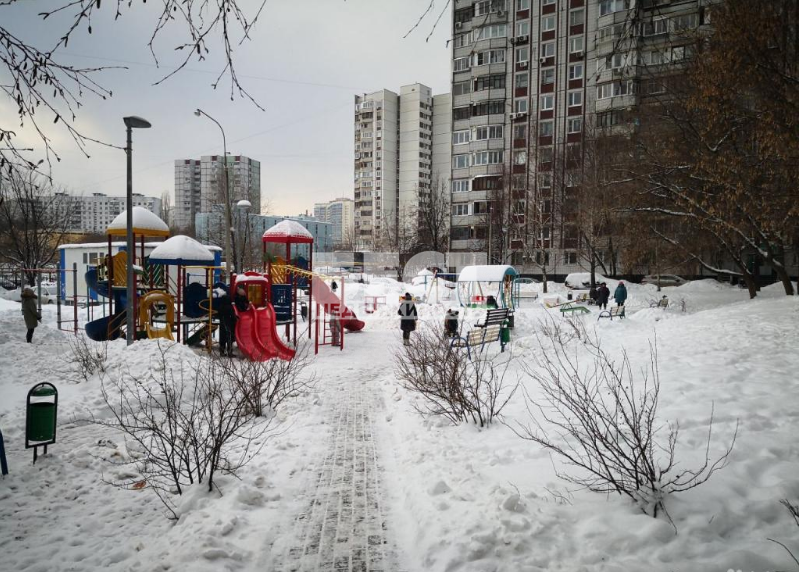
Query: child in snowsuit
column 409, row 315
column 451, row 323
column 30, row 312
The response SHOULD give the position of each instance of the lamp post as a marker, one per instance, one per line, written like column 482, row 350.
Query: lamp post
column 241, row 210
column 131, row 123
column 228, row 217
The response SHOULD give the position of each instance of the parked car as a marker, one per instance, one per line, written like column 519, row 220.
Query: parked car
column 582, row 280
column 665, row 280
column 527, row 281
column 8, row 285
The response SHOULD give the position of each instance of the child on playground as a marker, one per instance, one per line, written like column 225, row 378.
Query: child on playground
column 451, row 323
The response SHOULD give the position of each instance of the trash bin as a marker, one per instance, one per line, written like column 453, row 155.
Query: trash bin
column 40, row 417
column 510, row 320
column 569, row 296
column 504, row 333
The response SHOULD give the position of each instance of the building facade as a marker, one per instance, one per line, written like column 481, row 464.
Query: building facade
column 340, row 213
column 395, row 162
column 533, row 83
column 200, row 184
column 93, row 213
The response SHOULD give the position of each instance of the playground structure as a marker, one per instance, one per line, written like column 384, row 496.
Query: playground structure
column 477, row 283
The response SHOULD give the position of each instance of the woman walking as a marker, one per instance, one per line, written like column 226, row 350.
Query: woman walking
column 30, row 312
column 408, row 315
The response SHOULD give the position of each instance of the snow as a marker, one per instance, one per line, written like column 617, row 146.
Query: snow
column 144, row 222
column 182, row 250
column 425, row 495
column 288, row 229
column 485, row 273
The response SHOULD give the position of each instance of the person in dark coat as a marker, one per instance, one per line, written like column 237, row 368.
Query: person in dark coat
column 592, row 294
column 603, row 295
column 227, row 321
column 491, row 303
column 451, row 323
column 30, row 312
column 240, row 300
column 408, row 315
column 620, row 294
column 334, row 286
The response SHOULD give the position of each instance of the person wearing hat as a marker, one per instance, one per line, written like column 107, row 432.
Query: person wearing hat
column 240, row 299
column 30, row 312
column 227, row 321
column 603, row 294
column 620, row 294
column 409, row 315
column 451, row 323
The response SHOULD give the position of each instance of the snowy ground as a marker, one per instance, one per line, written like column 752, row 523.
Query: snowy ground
column 354, row 479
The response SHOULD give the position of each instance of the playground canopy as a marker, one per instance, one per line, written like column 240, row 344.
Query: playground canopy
column 182, row 250
column 145, row 223
column 288, row 232
column 472, row 278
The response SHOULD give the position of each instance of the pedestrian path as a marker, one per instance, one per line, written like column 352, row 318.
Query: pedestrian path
column 342, row 526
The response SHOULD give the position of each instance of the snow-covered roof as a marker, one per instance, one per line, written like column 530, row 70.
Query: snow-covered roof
column 144, row 223
column 181, row 250
column 486, row 273
column 288, row 231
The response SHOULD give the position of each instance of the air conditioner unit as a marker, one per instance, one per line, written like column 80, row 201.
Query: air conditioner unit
column 522, row 39
column 458, row 25
column 578, row 54
column 541, row 60
column 523, row 64
column 500, row 13
column 513, row 40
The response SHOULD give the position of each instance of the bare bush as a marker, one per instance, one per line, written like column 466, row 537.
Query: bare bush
column 451, row 385
column 794, row 512
column 603, row 420
column 564, row 330
column 265, row 385
column 183, row 425
column 88, row 356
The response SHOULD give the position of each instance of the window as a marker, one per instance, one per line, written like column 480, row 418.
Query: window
column 547, row 2
column 521, row 80
column 656, row 27
column 576, row 17
column 609, row 32
column 611, row 6
column 464, row 15
column 520, row 106
column 480, row 207
column 576, row 71
column 545, row 180
column 520, row 157
column 545, row 128
column 460, row 161
column 520, row 131
column 573, row 178
column 488, row 132
column 545, row 154
column 685, row 22
column 573, row 152
column 616, row 61
column 461, row 64
column 576, row 45
column 547, row 102
column 548, row 23
column 547, row 76
column 548, row 50
column 487, row 158
column 488, row 32
column 519, row 182
column 460, row 233
column 461, row 88
column 522, row 54
column 613, row 89
column 523, row 28
column 522, row 4
column 461, row 112
column 489, row 57
column 461, row 40
column 489, row 82
column 460, row 137
column 493, row 107
column 575, row 98
column 460, row 185
column 460, row 209
column 569, row 258
column 574, row 125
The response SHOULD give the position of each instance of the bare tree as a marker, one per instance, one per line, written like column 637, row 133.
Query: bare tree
column 434, row 216
column 34, row 219
column 167, row 211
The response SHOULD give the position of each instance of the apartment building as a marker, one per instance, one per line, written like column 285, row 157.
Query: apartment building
column 531, row 81
column 200, row 184
column 401, row 147
column 340, row 213
column 93, row 213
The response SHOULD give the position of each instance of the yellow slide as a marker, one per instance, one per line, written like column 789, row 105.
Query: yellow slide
column 145, row 305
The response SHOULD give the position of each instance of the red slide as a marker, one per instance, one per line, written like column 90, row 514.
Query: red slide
column 323, row 295
column 257, row 337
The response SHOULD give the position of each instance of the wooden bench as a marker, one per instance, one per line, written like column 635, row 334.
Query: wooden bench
column 572, row 308
column 614, row 312
column 662, row 303
column 487, row 332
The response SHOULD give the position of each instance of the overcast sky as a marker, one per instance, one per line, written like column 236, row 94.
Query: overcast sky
column 306, row 61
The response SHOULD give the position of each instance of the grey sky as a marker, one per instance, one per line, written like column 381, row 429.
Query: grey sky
column 332, row 49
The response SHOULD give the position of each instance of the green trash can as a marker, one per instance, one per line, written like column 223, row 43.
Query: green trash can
column 504, row 334
column 40, row 417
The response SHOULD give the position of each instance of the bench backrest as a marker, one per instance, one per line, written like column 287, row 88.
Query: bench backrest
column 663, row 303
column 485, row 335
column 616, row 310
column 496, row 316
column 582, row 297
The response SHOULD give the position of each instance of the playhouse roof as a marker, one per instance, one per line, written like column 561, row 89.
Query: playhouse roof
column 144, row 223
column 182, row 251
column 486, row 273
column 288, row 232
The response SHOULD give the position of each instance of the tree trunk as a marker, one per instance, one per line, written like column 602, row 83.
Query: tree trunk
column 785, row 278
column 751, row 284
column 544, row 276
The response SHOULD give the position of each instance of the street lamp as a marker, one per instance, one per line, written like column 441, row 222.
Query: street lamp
column 228, row 217
column 131, row 123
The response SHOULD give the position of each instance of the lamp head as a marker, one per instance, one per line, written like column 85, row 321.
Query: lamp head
column 134, row 122
column 243, row 204
column 197, row 112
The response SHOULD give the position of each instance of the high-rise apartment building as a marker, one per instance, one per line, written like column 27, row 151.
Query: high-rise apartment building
column 341, row 214
column 200, row 184
column 401, row 147
column 533, row 82
column 93, row 213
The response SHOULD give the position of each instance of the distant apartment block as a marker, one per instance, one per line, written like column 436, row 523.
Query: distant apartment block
column 200, row 184
column 93, row 213
column 397, row 159
column 340, row 213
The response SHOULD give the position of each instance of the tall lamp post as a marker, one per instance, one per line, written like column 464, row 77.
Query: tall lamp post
column 228, row 217
column 131, row 123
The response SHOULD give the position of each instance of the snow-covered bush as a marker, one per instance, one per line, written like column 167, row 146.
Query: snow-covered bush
column 183, row 424
column 450, row 384
column 603, row 421
column 267, row 384
column 87, row 356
